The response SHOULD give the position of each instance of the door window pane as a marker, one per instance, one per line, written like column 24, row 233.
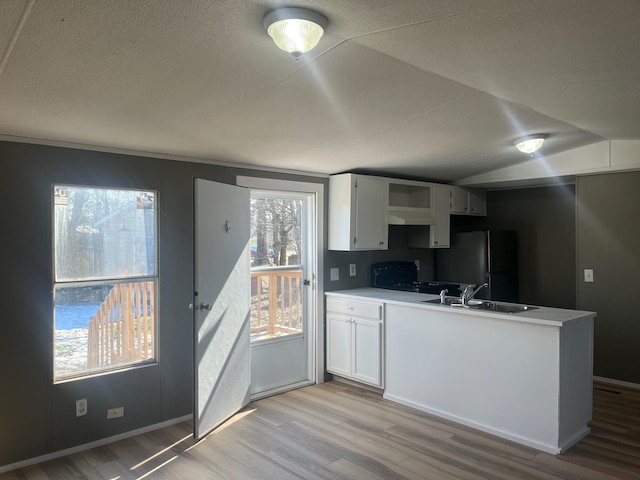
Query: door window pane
column 276, row 231
column 276, row 267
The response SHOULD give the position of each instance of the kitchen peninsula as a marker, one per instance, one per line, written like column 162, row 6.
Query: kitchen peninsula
column 523, row 376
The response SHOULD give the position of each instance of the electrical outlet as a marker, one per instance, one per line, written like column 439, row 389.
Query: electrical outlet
column 588, row 275
column 335, row 274
column 115, row 413
column 352, row 269
column 417, row 262
column 81, row 407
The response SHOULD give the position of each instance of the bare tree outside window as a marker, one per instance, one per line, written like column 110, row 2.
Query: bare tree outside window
column 105, row 279
column 276, row 232
column 276, row 277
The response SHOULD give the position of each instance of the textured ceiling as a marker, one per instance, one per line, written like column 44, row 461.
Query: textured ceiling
column 433, row 89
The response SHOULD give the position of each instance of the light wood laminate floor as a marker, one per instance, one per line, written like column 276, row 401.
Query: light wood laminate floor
column 338, row 431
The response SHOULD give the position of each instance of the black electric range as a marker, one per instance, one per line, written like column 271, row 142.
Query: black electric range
column 400, row 275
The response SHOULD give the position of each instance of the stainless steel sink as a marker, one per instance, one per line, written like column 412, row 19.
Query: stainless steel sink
column 483, row 305
column 499, row 306
column 448, row 301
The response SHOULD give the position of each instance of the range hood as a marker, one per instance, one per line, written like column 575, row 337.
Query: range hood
column 410, row 216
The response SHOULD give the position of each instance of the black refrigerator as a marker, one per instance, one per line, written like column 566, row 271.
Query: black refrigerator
column 482, row 257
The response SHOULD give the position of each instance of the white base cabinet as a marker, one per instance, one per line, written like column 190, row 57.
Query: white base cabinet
column 354, row 340
column 526, row 377
column 527, row 382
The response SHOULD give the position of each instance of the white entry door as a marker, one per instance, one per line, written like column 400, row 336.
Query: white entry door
column 221, row 303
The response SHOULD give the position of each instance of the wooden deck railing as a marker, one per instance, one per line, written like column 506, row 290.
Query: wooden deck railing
column 276, row 303
column 122, row 331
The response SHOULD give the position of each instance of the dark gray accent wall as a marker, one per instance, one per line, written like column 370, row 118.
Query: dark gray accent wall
column 544, row 220
column 608, row 236
column 36, row 416
column 398, row 250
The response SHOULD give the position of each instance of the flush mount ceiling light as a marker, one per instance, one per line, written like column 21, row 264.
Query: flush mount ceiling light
column 295, row 30
column 530, row 143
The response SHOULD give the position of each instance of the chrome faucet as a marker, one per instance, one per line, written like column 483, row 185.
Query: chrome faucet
column 469, row 292
column 443, row 294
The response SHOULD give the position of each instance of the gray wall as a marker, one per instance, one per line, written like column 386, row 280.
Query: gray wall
column 544, row 219
column 398, row 250
column 561, row 230
column 36, row 416
column 608, row 235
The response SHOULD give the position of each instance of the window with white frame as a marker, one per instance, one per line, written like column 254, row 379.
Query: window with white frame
column 105, row 279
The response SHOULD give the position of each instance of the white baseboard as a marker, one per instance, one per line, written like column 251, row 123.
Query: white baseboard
column 613, row 381
column 87, row 446
column 278, row 390
column 528, row 442
column 339, row 379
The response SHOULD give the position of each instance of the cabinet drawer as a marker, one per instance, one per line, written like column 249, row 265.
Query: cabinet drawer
column 359, row 309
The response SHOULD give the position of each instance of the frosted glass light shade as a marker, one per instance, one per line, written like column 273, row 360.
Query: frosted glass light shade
column 295, row 30
column 530, row 144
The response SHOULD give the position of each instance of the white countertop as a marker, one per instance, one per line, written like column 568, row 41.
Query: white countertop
column 541, row 315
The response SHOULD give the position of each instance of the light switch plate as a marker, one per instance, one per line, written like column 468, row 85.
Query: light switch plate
column 335, row 274
column 588, row 275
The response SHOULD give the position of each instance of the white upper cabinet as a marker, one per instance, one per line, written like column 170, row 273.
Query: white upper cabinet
column 358, row 212
column 410, row 203
column 459, row 201
column 361, row 208
column 437, row 234
column 440, row 231
column 468, row 201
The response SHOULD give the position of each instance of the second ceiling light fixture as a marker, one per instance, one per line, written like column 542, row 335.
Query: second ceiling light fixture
column 530, row 143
